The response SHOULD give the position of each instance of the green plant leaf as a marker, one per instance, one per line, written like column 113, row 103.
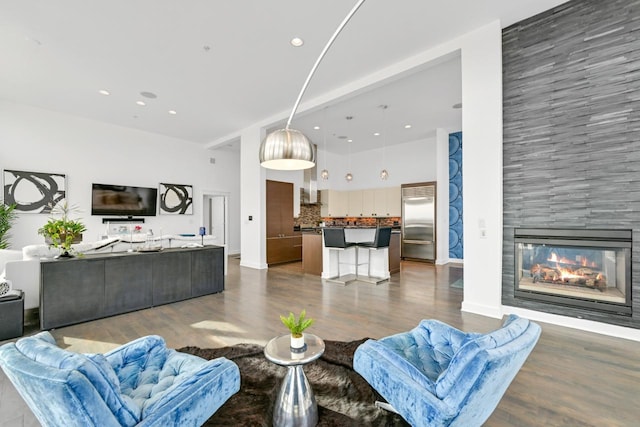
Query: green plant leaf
column 296, row 326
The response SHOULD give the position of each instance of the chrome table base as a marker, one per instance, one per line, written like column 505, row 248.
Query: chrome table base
column 296, row 404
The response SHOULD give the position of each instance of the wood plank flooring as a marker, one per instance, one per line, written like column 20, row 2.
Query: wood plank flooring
column 572, row 378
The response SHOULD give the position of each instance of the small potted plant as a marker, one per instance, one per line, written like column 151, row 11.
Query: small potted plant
column 61, row 231
column 296, row 327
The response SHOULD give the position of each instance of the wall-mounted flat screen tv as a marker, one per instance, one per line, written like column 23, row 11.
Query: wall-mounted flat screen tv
column 123, row 200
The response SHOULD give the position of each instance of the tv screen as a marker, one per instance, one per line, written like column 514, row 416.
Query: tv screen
column 121, row 200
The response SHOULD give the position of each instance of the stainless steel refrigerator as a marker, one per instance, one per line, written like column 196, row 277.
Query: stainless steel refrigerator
column 418, row 221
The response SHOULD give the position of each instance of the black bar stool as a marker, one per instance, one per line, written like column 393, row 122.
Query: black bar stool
column 334, row 241
column 381, row 241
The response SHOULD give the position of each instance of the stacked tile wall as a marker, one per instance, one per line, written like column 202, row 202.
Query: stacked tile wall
column 571, row 110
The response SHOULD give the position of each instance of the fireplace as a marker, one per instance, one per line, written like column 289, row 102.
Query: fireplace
column 574, row 267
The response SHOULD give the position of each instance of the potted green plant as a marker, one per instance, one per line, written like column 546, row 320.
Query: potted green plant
column 61, row 231
column 7, row 216
column 296, row 327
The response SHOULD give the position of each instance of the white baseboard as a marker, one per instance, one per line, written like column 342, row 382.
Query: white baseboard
column 483, row 310
column 572, row 322
column 256, row 266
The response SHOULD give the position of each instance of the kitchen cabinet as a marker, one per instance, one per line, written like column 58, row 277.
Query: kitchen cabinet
column 284, row 249
column 369, row 199
column 375, row 202
column 312, row 253
column 394, row 253
column 279, row 208
column 283, row 244
column 334, row 203
column 393, row 201
column 355, row 203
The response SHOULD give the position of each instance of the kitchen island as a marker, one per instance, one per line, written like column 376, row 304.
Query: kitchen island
column 319, row 260
column 313, row 248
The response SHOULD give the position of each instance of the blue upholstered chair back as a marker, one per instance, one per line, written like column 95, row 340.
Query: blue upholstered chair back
column 438, row 375
column 140, row 383
column 64, row 388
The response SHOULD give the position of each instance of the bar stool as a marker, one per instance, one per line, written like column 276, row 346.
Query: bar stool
column 334, row 241
column 381, row 241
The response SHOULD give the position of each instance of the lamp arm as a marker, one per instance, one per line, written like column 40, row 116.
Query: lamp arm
column 322, row 54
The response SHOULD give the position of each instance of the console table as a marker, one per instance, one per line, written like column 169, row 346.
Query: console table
column 94, row 286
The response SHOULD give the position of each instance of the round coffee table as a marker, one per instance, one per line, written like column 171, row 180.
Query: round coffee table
column 296, row 404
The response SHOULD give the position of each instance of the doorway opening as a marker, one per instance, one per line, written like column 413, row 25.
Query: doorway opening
column 215, row 216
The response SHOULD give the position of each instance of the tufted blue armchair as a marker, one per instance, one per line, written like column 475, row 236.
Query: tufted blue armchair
column 436, row 375
column 142, row 383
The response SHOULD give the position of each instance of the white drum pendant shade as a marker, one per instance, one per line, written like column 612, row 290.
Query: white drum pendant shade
column 287, row 149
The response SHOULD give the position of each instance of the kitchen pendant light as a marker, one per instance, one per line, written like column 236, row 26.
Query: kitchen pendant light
column 383, row 173
column 324, row 174
column 349, row 176
column 290, row 149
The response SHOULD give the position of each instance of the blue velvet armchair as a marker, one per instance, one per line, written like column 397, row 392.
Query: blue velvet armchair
column 436, row 375
column 142, row 383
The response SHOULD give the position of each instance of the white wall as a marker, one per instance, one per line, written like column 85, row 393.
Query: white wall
column 482, row 169
column 87, row 151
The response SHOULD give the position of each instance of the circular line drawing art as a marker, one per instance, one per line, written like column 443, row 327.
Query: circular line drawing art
column 33, row 192
column 176, row 199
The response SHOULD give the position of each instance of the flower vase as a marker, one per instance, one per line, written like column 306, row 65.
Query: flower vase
column 297, row 344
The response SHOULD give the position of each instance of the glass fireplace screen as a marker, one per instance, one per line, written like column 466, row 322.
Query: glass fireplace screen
column 589, row 271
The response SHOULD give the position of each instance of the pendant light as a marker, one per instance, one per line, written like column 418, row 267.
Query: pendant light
column 383, row 173
column 349, row 176
column 290, row 149
column 324, row 174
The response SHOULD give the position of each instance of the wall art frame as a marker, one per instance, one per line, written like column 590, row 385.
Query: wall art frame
column 33, row 192
column 176, row 199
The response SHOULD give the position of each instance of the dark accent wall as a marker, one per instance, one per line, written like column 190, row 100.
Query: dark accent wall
column 571, row 110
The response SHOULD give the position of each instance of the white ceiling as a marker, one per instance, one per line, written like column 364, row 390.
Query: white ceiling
column 224, row 65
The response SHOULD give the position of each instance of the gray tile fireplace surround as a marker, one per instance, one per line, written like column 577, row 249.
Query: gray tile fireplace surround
column 571, row 111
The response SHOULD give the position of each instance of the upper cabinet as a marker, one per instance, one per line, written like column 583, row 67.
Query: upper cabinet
column 377, row 202
column 334, row 203
column 394, row 201
column 355, row 203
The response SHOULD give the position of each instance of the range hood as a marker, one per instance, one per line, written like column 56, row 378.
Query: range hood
column 309, row 190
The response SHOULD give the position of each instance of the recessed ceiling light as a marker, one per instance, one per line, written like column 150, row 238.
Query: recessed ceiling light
column 173, row 112
column 407, row 126
column 349, row 140
column 142, row 103
column 149, row 95
column 376, row 134
column 296, row 42
column 316, row 127
column 104, row 92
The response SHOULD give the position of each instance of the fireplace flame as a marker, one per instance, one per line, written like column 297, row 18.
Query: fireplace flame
column 563, row 270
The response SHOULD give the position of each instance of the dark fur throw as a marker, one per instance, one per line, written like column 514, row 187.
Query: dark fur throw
column 344, row 397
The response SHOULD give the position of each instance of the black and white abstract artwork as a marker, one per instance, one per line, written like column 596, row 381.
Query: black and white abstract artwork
column 34, row 192
column 176, row 199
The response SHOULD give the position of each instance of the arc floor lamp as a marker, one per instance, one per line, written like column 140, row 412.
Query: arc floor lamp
column 290, row 149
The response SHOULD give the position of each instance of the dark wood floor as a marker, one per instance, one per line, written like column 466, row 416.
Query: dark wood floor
column 572, row 378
